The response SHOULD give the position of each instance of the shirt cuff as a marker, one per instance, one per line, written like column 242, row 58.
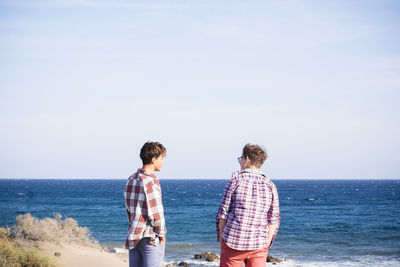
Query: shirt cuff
column 274, row 221
column 160, row 233
column 223, row 216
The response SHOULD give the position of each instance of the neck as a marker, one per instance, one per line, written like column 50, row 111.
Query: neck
column 251, row 167
column 149, row 168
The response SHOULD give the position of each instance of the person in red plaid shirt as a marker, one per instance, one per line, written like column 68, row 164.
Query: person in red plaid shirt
column 143, row 200
column 248, row 218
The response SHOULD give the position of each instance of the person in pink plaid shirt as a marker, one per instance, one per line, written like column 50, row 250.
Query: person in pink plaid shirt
column 143, row 201
column 248, row 218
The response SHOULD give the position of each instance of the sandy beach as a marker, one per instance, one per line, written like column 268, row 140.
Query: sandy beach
column 77, row 255
column 62, row 240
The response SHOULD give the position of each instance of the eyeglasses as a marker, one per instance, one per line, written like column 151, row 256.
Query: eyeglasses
column 239, row 158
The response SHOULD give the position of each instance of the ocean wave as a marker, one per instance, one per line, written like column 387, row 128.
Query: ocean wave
column 354, row 262
column 117, row 250
column 295, row 263
column 178, row 245
column 193, row 262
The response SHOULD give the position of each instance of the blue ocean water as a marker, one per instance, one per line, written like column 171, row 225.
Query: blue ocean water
column 323, row 222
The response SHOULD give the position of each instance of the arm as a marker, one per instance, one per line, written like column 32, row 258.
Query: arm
column 128, row 214
column 222, row 224
column 155, row 210
column 224, row 208
column 271, row 232
column 127, row 196
column 274, row 217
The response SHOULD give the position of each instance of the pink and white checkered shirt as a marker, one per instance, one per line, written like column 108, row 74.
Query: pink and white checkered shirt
column 250, row 202
column 143, row 201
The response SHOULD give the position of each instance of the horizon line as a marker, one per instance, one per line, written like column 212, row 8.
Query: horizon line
column 36, row 178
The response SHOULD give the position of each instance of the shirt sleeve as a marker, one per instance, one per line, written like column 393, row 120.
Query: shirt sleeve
column 224, row 208
column 274, row 216
column 127, row 196
column 155, row 209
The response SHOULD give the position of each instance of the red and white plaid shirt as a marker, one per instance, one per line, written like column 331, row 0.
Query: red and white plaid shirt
column 250, row 202
column 143, row 200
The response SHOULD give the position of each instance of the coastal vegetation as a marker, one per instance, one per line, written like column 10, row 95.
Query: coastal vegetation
column 21, row 244
column 14, row 256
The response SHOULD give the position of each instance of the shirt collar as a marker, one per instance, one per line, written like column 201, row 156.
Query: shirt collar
column 146, row 173
column 255, row 171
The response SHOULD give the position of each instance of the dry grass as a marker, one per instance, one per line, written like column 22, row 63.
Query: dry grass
column 6, row 233
column 20, row 244
column 12, row 256
column 30, row 231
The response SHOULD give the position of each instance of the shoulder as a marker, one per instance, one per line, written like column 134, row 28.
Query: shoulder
column 147, row 182
column 235, row 178
column 131, row 180
column 139, row 179
column 271, row 185
column 134, row 178
column 268, row 181
column 241, row 175
column 238, row 174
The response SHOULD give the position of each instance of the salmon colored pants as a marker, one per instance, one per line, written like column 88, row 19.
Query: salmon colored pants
column 235, row 258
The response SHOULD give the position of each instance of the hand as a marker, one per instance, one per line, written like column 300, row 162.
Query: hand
column 162, row 239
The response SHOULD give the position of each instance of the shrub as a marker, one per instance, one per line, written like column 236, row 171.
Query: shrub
column 10, row 256
column 19, row 244
column 6, row 233
column 30, row 231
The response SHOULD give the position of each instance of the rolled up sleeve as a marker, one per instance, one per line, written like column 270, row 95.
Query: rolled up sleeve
column 225, row 206
column 226, row 201
column 155, row 209
column 274, row 215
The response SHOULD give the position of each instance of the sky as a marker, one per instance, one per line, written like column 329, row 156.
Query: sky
column 85, row 83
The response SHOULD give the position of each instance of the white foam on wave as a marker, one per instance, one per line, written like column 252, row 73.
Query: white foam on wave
column 359, row 263
column 117, row 250
column 194, row 263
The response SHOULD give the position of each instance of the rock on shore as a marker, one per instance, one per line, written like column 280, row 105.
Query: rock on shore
column 208, row 256
column 272, row 259
column 212, row 257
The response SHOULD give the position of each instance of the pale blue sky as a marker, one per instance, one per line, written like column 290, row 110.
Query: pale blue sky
column 83, row 84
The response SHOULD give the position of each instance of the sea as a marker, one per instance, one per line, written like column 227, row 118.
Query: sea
column 323, row 222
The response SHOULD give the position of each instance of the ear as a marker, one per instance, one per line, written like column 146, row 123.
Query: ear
column 248, row 162
column 153, row 160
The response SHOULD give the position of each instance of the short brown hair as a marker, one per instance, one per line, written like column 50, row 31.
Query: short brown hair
column 151, row 150
column 256, row 154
